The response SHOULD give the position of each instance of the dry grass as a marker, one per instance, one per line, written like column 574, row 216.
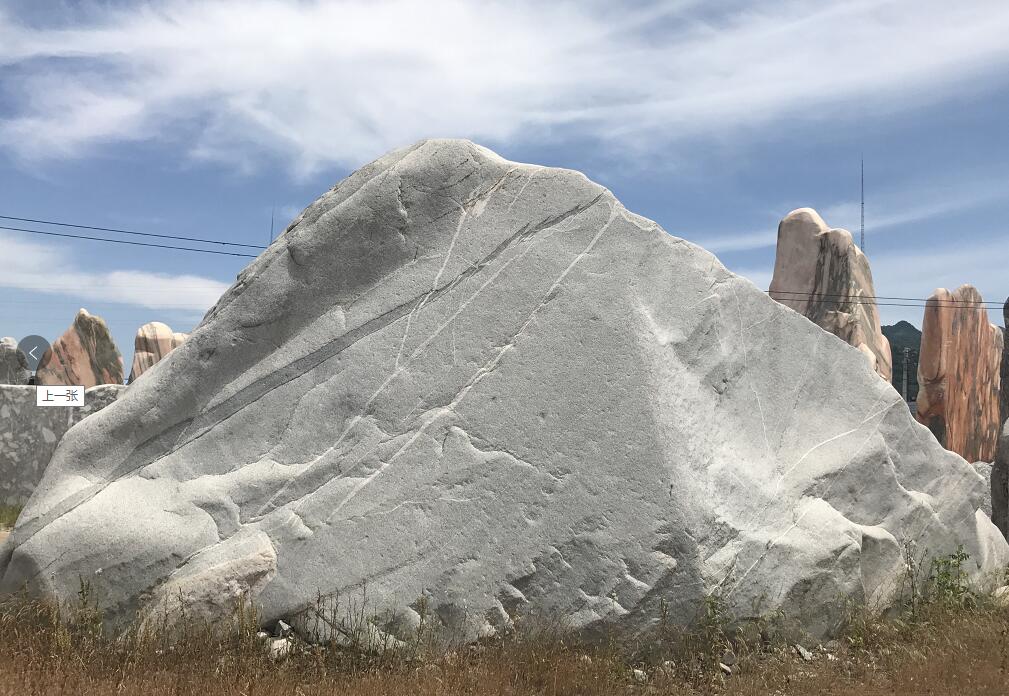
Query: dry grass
column 943, row 649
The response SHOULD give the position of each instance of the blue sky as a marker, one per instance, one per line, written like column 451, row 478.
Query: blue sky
column 713, row 118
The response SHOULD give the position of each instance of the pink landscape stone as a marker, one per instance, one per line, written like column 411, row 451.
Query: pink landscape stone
column 958, row 370
column 821, row 273
column 84, row 355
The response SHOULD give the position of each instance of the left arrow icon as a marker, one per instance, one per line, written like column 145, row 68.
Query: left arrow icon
column 34, row 348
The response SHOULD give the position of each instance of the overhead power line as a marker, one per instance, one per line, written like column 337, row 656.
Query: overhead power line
column 920, row 305
column 126, row 241
column 117, row 231
column 776, row 294
column 952, row 303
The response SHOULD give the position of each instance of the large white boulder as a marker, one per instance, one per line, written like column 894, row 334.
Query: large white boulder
column 490, row 386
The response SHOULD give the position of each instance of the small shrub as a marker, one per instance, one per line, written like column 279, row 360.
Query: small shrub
column 949, row 583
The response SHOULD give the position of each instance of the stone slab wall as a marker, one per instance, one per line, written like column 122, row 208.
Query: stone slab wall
column 29, row 435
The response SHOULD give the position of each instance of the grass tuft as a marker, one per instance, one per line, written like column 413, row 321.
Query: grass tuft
column 944, row 636
column 9, row 515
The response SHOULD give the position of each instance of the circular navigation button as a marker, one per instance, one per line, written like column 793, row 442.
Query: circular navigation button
column 34, row 347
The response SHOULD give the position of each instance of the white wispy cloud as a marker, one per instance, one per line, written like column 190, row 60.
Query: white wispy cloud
column 918, row 203
column 910, row 273
column 913, row 202
column 47, row 269
column 320, row 82
column 917, row 274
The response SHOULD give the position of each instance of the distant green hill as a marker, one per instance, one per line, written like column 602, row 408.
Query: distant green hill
column 904, row 335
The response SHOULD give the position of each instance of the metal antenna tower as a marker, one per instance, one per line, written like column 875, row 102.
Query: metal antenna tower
column 861, row 237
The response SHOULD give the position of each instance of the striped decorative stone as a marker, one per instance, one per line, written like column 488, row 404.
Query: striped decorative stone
column 153, row 342
column 85, row 354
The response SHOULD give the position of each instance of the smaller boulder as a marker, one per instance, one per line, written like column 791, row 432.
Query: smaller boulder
column 985, row 469
column 13, row 363
column 283, row 629
column 803, row 653
column 84, row 355
column 280, row 648
column 153, row 342
column 1001, row 597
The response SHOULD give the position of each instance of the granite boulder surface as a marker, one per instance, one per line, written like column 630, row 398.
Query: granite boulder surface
column 488, row 387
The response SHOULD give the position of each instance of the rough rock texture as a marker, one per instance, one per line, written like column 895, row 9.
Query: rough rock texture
column 1000, row 471
column 29, row 434
column 489, row 385
column 1004, row 370
column 13, row 363
column 153, row 342
column 1000, row 483
column 985, row 469
column 84, row 355
column 958, row 373
column 820, row 273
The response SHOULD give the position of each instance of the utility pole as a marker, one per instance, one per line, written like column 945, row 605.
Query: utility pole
column 903, row 386
column 273, row 210
column 861, row 240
